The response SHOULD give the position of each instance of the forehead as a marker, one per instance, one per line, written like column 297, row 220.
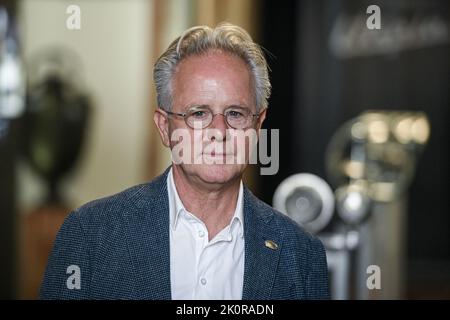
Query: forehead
column 213, row 60
column 215, row 76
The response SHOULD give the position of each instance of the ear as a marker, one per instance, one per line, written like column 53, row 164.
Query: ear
column 162, row 123
column 261, row 118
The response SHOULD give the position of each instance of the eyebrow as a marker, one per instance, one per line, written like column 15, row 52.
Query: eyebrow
column 200, row 106
column 236, row 106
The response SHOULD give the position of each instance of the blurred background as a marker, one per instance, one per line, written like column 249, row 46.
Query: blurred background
column 363, row 118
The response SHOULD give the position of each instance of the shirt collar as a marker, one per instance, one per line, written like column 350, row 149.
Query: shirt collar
column 176, row 206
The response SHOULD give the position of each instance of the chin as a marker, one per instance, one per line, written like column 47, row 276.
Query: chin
column 216, row 173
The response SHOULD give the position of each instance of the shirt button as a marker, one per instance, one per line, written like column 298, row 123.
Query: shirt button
column 203, row 281
column 201, row 233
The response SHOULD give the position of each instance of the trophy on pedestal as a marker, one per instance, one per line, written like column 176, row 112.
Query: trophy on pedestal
column 53, row 130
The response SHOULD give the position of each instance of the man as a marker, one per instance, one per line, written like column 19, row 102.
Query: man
column 195, row 232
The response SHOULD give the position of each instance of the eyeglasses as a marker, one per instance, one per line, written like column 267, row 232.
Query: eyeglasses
column 200, row 117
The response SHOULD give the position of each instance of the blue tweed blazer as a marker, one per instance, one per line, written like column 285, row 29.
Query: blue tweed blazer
column 121, row 246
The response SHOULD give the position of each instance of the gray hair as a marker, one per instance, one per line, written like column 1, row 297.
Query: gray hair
column 201, row 39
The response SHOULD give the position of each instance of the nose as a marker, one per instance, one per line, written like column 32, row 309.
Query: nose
column 219, row 127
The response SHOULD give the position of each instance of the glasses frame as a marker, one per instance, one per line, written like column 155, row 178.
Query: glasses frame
column 185, row 114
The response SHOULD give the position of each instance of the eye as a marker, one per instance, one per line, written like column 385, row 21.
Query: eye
column 199, row 114
column 235, row 114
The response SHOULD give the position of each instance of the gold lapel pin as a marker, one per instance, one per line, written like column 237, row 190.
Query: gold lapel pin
column 271, row 245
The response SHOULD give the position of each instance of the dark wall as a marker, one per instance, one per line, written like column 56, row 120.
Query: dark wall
column 278, row 37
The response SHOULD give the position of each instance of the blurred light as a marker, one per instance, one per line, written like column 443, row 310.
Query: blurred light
column 394, row 156
column 402, row 130
column 378, row 131
column 352, row 203
column 420, row 130
column 378, row 147
column 383, row 191
column 354, row 169
column 352, row 239
column 337, row 242
column 359, row 130
column 12, row 85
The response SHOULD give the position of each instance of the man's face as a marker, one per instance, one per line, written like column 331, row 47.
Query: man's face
column 218, row 81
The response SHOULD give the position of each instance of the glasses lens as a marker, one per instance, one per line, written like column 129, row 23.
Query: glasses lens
column 199, row 118
column 238, row 118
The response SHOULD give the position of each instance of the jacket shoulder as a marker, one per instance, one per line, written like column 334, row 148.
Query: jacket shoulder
column 111, row 210
column 92, row 239
column 109, row 207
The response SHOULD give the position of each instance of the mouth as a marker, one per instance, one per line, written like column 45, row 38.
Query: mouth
column 213, row 154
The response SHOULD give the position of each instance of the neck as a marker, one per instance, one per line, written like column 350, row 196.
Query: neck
column 209, row 203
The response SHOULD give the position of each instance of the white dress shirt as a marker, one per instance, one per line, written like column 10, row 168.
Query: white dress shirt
column 202, row 269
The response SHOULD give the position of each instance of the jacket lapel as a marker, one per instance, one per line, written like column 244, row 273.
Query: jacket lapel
column 261, row 257
column 149, row 240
